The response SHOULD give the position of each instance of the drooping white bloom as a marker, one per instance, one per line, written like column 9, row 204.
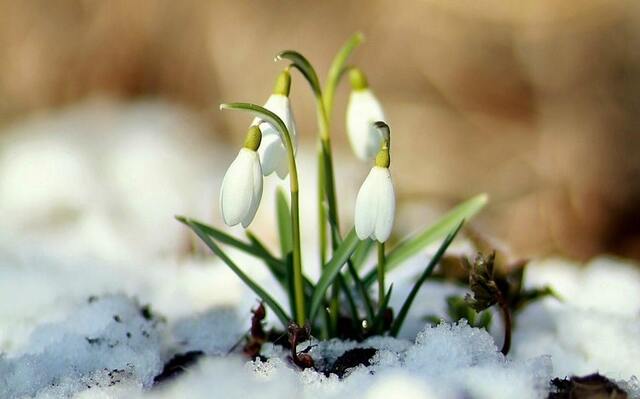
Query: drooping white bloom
column 375, row 205
column 241, row 189
column 362, row 111
column 273, row 154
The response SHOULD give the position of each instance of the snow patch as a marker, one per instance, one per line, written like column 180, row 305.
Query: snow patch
column 107, row 337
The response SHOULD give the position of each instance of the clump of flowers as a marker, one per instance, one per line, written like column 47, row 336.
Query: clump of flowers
column 341, row 302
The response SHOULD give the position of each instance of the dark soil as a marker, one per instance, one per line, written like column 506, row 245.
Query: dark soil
column 350, row 359
column 593, row 386
column 177, row 365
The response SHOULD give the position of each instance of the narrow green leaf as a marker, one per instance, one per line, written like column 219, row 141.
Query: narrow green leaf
column 361, row 254
column 225, row 238
column 353, row 273
column 337, row 69
column 355, row 318
column 278, row 270
column 379, row 319
column 299, row 62
column 258, row 245
column 283, row 214
column 221, row 236
column 275, row 307
column 362, row 290
column 331, row 270
column 415, row 244
column 449, row 221
column 332, row 206
column 404, row 310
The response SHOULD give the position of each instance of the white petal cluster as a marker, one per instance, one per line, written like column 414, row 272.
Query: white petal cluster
column 375, row 206
column 273, row 154
column 241, row 189
column 363, row 110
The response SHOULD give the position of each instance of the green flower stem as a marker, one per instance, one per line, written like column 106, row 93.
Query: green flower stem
column 337, row 70
column 381, row 259
column 297, row 258
column 327, row 162
column 325, row 168
column 326, row 178
column 326, row 191
column 322, row 212
column 298, row 277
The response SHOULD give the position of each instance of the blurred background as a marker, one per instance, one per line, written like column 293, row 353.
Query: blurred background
column 109, row 121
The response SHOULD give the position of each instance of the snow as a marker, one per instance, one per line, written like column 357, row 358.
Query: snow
column 445, row 361
column 88, row 197
column 596, row 326
column 605, row 284
column 551, row 339
column 214, row 332
column 108, row 334
column 104, row 179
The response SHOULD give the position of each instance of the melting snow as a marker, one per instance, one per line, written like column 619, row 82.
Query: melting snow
column 79, row 260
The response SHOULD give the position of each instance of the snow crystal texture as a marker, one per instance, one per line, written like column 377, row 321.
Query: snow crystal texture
column 107, row 337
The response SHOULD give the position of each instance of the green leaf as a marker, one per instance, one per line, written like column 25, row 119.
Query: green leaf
column 352, row 304
column 361, row 254
column 415, row 244
column 449, row 221
column 283, row 214
column 353, row 273
column 362, row 290
column 276, row 268
column 331, row 270
column 332, row 206
column 337, row 69
column 379, row 319
column 484, row 320
column 397, row 324
column 221, row 236
column 258, row 245
column 225, row 238
column 279, row 270
column 275, row 307
column 299, row 62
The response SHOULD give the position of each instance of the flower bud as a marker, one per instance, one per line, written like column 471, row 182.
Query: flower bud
column 363, row 110
column 375, row 205
column 241, row 190
column 273, row 154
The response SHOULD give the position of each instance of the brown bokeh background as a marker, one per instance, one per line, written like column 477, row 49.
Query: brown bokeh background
column 535, row 102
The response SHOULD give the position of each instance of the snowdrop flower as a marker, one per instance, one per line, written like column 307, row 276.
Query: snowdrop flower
column 376, row 201
column 273, row 154
column 242, row 184
column 363, row 110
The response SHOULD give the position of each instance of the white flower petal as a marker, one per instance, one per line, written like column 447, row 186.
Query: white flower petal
column 365, row 217
column 241, row 192
column 386, row 205
column 375, row 206
column 282, row 170
column 256, row 177
column 362, row 111
column 271, row 157
column 271, row 150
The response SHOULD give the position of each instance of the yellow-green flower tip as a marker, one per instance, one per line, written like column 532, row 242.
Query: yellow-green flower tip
column 357, row 79
column 383, row 159
column 283, row 83
column 253, row 139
